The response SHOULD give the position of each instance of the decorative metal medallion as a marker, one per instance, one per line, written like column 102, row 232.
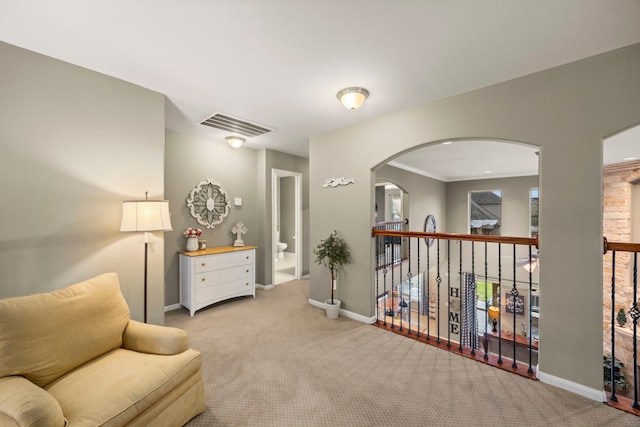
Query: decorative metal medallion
column 208, row 203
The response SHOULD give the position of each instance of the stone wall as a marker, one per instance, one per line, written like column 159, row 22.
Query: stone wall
column 618, row 181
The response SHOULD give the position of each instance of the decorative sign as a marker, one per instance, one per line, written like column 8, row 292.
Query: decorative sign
column 514, row 304
column 334, row 182
column 208, row 203
column 454, row 310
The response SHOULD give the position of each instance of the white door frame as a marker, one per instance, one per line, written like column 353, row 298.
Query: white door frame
column 275, row 175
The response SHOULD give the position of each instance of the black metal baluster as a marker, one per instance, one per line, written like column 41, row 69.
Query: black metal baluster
column 473, row 333
column 438, row 281
column 409, row 284
column 377, row 302
column 500, row 305
column 428, row 293
column 634, row 312
column 461, row 299
column 514, row 296
column 386, row 292
column 448, row 292
column 530, row 370
column 401, row 290
column 393, row 286
column 486, row 304
column 612, row 396
column 420, row 285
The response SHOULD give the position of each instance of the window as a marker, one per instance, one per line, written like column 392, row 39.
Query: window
column 484, row 212
column 533, row 209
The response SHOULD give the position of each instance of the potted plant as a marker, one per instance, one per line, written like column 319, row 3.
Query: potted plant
column 622, row 317
column 332, row 252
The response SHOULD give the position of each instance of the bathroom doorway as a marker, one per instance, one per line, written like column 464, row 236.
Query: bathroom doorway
column 286, row 230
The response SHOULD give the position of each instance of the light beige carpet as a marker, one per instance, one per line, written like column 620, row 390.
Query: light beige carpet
column 277, row 361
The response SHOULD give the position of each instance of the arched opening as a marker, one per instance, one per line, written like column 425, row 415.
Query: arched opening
column 478, row 187
column 620, row 223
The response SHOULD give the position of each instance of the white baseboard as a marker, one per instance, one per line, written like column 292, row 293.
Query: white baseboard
column 305, row 277
column 346, row 313
column 172, row 307
column 264, row 287
column 590, row 393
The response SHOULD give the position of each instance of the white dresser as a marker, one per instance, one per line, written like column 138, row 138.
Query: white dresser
column 216, row 274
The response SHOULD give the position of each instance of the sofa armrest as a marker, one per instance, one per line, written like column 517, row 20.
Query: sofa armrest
column 146, row 338
column 22, row 403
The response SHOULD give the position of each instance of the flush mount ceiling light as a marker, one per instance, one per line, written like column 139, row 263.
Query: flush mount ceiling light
column 235, row 141
column 352, row 97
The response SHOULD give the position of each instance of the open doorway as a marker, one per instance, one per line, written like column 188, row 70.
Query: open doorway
column 286, row 225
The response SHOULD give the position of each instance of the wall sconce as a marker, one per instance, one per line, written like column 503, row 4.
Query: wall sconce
column 352, row 97
column 235, row 141
column 145, row 216
column 494, row 315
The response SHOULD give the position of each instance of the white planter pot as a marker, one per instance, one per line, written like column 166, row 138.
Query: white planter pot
column 333, row 310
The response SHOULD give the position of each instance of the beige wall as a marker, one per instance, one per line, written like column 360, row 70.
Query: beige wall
column 566, row 111
column 73, row 145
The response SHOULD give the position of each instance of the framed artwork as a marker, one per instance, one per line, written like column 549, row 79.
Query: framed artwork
column 514, row 305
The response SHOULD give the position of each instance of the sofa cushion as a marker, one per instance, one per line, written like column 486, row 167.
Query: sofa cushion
column 44, row 336
column 132, row 381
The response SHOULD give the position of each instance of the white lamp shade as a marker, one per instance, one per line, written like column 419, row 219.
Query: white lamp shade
column 145, row 215
column 352, row 97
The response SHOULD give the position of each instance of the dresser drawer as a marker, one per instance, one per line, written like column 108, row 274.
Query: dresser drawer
column 221, row 291
column 219, row 261
column 217, row 277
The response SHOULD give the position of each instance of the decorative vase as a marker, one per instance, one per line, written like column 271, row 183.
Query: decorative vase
column 192, row 244
column 333, row 310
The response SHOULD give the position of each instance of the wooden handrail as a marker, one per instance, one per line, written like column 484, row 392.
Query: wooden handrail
column 531, row 241
column 620, row 246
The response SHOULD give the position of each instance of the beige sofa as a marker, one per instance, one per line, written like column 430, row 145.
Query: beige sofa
column 73, row 357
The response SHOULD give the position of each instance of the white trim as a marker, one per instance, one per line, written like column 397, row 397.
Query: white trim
column 305, row 277
column 346, row 313
column 275, row 174
column 264, row 287
column 172, row 307
column 588, row 392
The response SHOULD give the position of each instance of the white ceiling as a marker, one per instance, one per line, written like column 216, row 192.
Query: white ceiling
column 279, row 63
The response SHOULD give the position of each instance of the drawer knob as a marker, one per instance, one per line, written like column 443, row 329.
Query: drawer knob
column 203, row 264
column 247, row 271
column 203, row 279
column 247, row 284
column 247, row 257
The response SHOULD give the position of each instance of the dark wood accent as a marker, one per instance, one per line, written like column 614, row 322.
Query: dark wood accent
column 623, row 404
column 521, row 370
column 532, row 241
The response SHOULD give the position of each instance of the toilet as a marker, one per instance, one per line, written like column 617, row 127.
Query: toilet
column 281, row 247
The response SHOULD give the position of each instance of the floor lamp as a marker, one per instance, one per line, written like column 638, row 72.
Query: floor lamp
column 145, row 216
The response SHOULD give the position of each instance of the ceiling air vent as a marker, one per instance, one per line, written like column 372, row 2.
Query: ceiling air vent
column 231, row 124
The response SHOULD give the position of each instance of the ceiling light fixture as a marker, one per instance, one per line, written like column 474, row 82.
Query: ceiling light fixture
column 352, row 97
column 235, row 141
